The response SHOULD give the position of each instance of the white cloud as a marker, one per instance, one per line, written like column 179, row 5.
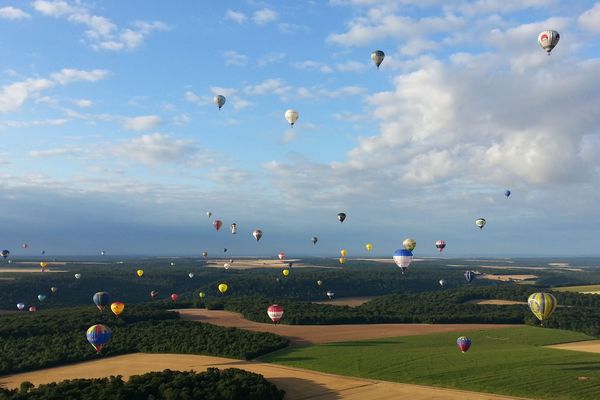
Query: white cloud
column 236, row 16
column 158, row 148
column 36, row 122
column 270, row 59
column 191, row 97
column 351, row 66
column 84, row 103
column 141, row 123
column 289, row 136
column 264, row 16
column 268, row 86
column 182, row 119
column 314, row 66
column 288, row 28
column 69, row 75
column 590, row 19
column 57, row 152
column 101, row 33
column 13, row 96
column 13, row 13
column 234, row 58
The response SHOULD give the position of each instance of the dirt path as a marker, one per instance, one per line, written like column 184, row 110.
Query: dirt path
column 588, row 346
column 312, row 334
column 299, row 384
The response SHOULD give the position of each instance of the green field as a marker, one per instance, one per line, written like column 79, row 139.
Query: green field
column 579, row 289
column 508, row 361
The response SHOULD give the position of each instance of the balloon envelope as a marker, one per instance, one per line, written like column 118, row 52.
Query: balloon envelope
column 140, row 272
column 101, row 300
column 223, row 287
column 440, row 245
column 202, row 295
column 33, row 309
column 542, row 305
column 548, row 40
column 369, row 246
column 314, row 240
column 341, row 217
column 77, row 276
column 5, row 253
column 463, row 343
column 285, row 272
column 217, row 224
column 319, row 282
column 403, row 258
column 409, row 244
column 98, row 336
column 377, row 57
column 219, row 100
column 330, row 294
column 154, row 293
column 281, row 256
column 191, row 274
column 174, row 296
column 291, row 116
column 257, row 233
column 117, row 308
column 480, row 222
column 469, row 276
column 342, row 260
column 41, row 297
column 20, row 306
column 507, row 193
column 275, row 312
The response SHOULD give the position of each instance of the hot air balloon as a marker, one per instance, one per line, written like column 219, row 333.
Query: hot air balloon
column 140, row 272
column 377, row 57
column 225, row 250
column 43, row 265
column 281, row 255
column 223, row 287
column 480, row 222
column 341, row 217
column 33, row 309
column 25, row 245
column 5, row 253
column 41, row 297
column 469, row 276
column 191, row 275
column 226, row 265
column 369, row 246
column 98, row 336
column 542, row 305
column 342, row 260
column 403, row 258
column 102, row 253
column 442, row 282
column 54, row 289
column 285, row 272
column 343, row 252
column 172, row 264
column 314, row 240
column 43, row 252
column 174, row 296
column 319, row 282
column 154, row 293
column 330, row 294
column 205, row 254
column 257, row 233
column 77, row 276
column 117, row 308
column 440, row 245
column 291, row 116
column 409, row 244
column 20, row 306
column 202, row 295
column 275, row 312
column 507, row 193
column 219, row 100
column 208, row 214
column 217, row 223
column 548, row 40
column 463, row 343
column 101, row 299
column 234, row 228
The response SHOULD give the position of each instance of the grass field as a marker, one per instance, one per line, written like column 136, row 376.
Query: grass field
column 592, row 289
column 508, row 361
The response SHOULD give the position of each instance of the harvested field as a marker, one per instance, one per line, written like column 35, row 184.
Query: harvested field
column 261, row 263
column 349, row 301
column 313, row 334
column 298, row 383
column 495, row 302
column 28, row 270
column 507, row 278
column 587, row 346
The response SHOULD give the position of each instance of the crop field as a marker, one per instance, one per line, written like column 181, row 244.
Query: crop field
column 508, row 361
column 589, row 289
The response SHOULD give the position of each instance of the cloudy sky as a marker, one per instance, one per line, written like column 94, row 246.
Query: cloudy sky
column 109, row 138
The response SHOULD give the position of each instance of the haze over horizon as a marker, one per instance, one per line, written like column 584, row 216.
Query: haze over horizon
column 111, row 141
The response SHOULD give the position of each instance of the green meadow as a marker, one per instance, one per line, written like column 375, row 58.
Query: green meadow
column 509, row 361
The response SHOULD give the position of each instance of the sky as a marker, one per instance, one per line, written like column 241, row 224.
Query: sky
column 109, row 138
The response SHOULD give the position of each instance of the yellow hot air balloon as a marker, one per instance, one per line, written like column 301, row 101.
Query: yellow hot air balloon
column 54, row 289
column 140, row 272
column 202, row 295
column 117, row 308
column 343, row 252
column 342, row 260
column 409, row 244
column 223, row 287
column 285, row 272
column 542, row 305
column 43, row 264
column 369, row 246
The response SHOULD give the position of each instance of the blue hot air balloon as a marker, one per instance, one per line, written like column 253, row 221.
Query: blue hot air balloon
column 98, row 336
column 507, row 193
column 101, row 300
column 403, row 258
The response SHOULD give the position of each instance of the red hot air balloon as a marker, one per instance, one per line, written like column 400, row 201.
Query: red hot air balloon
column 33, row 309
column 174, row 296
column 275, row 313
column 463, row 343
column 217, row 224
column 281, row 256
column 440, row 245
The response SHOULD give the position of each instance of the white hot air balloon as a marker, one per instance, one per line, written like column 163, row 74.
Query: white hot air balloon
column 548, row 40
column 219, row 100
column 377, row 57
column 291, row 116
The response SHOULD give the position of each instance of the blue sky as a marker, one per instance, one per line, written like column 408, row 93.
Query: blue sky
column 110, row 139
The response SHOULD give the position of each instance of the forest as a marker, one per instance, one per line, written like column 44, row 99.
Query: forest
column 39, row 340
column 214, row 384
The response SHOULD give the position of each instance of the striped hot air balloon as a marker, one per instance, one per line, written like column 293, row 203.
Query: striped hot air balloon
column 469, row 276
column 98, row 336
column 440, row 245
column 548, row 40
column 101, row 300
column 275, row 312
column 542, row 305
column 463, row 343
column 403, row 258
